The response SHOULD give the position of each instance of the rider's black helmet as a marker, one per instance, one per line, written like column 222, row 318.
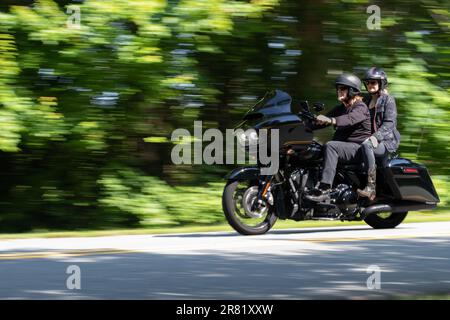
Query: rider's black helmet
column 375, row 73
column 351, row 81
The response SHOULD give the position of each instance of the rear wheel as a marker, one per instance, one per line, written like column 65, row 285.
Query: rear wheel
column 385, row 220
column 238, row 202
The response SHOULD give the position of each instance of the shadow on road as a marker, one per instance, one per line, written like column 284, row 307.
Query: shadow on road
column 271, row 232
column 329, row 271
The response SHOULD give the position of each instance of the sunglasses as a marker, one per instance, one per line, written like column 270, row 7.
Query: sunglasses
column 371, row 82
column 341, row 88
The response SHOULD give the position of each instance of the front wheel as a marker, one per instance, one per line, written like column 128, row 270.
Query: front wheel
column 385, row 220
column 238, row 201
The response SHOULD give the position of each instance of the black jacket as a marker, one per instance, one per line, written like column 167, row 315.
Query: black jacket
column 385, row 121
column 352, row 124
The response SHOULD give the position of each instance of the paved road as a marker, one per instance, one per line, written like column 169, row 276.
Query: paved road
column 325, row 263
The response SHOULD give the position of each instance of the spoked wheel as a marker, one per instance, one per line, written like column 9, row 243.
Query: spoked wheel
column 242, row 210
column 385, row 220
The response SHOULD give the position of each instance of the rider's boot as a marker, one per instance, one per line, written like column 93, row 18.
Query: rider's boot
column 320, row 194
column 370, row 190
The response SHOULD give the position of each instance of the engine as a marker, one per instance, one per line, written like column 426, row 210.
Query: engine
column 343, row 202
column 345, row 199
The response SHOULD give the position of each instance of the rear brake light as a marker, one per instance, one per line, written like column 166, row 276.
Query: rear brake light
column 410, row 170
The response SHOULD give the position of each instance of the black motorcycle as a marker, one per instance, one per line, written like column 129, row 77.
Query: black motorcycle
column 253, row 202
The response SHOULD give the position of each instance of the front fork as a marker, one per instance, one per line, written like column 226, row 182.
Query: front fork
column 262, row 192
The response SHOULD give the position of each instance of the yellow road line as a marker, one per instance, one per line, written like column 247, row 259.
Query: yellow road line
column 60, row 254
column 350, row 239
column 77, row 253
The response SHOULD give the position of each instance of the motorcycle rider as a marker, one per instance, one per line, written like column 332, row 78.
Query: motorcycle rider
column 351, row 120
column 385, row 136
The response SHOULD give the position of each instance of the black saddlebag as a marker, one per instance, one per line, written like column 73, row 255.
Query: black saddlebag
column 410, row 181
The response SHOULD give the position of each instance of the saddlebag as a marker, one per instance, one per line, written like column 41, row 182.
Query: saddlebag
column 410, row 181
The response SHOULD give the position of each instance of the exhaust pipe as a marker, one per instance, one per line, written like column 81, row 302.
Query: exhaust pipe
column 397, row 207
column 376, row 208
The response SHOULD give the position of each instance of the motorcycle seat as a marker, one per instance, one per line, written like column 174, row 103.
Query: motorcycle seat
column 354, row 166
column 381, row 161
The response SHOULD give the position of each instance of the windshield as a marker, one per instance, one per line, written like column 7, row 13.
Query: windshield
column 273, row 102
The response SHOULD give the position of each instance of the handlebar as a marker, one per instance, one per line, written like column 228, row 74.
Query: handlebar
column 305, row 111
column 308, row 115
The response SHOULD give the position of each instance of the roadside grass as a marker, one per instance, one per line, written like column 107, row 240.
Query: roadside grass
column 425, row 216
column 442, row 296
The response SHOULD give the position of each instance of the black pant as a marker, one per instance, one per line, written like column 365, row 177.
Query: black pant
column 338, row 151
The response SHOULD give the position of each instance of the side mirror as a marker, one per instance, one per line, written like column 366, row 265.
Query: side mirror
column 318, row 106
column 304, row 105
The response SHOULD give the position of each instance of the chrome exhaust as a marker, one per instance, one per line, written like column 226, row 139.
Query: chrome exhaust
column 397, row 207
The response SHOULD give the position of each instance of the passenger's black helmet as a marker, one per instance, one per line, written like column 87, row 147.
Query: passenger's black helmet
column 375, row 73
column 351, row 81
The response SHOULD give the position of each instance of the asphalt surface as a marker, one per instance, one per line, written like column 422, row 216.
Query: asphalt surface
column 319, row 263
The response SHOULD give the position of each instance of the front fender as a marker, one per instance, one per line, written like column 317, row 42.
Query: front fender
column 245, row 173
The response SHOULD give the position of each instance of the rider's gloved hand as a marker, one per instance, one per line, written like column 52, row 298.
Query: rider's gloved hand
column 321, row 119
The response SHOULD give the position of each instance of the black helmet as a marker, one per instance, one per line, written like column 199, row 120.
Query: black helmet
column 351, row 81
column 377, row 74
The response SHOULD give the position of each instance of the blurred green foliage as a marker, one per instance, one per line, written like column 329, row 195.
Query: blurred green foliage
column 86, row 111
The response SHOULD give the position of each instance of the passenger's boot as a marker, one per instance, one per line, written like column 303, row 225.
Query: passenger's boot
column 370, row 190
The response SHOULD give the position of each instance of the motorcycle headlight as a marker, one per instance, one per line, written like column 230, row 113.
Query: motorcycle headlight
column 253, row 137
column 248, row 137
